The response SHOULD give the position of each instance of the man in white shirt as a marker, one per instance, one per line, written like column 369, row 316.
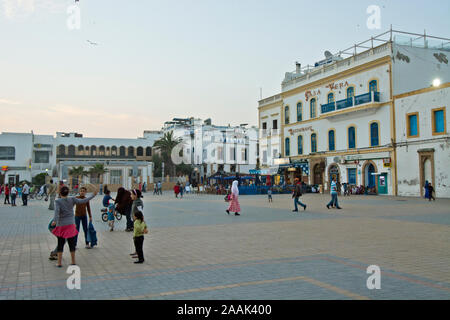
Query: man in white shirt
column 25, row 193
column 13, row 195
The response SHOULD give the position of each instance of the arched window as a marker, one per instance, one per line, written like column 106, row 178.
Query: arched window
column 287, row 147
column 299, row 111
column 140, row 151
column 80, row 148
column 93, row 150
column 300, row 144
column 330, row 97
column 313, row 108
column 350, row 92
column 61, row 150
column 374, row 135
column 114, row 151
column 101, row 151
column 286, row 115
column 313, row 143
column 351, row 138
column 122, row 151
column 71, row 150
column 148, row 152
column 373, row 86
column 131, row 151
column 331, row 140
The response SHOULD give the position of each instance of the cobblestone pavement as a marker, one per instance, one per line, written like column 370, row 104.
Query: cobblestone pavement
column 196, row 251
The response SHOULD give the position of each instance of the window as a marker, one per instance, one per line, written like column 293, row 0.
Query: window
column 313, row 108
column 438, row 117
column 313, row 143
column 114, row 151
column 374, row 135
column 299, row 111
column 93, row 150
column 148, row 151
column 351, row 138
column 286, row 115
column 264, row 125
column 275, row 124
column 42, row 157
column 115, row 176
column 131, row 151
column 140, row 151
column 220, row 153
column 351, row 173
column 373, row 86
column 412, row 125
column 331, row 97
column 61, row 150
column 300, row 144
column 244, row 155
column 331, row 142
column 287, row 147
column 264, row 156
column 350, row 92
column 7, row 153
column 122, row 151
column 232, row 154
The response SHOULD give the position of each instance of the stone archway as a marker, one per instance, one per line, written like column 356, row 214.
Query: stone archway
column 368, row 179
column 426, row 168
column 333, row 171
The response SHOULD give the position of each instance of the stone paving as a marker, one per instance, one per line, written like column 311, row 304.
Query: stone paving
column 194, row 250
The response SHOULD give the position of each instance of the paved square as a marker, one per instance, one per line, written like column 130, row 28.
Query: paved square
column 194, row 250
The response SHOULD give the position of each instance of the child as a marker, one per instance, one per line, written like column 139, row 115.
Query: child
column 111, row 217
column 137, row 206
column 269, row 195
column 140, row 228
column 106, row 198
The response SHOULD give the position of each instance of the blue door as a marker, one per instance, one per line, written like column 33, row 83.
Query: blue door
column 371, row 171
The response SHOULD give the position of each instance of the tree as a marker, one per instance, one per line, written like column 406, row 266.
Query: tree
column 39, row 179
column 78, row 172
column 165, row 146
column 98, row 170
column 157, row 161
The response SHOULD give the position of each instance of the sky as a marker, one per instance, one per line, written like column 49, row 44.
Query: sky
column 132, row 65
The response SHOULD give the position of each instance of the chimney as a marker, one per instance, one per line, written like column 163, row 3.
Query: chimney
column 298, row 67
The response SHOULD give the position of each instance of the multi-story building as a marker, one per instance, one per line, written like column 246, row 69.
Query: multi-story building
column 212, row 148
column 345, row 117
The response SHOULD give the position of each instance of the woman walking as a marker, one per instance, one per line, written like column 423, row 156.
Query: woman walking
column 234, row 203
column 124, row 203
column 64, row 222
column 427, row 191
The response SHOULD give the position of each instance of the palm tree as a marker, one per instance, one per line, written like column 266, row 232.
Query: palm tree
column 98, row 170
column 78, row 171
column 165, row 146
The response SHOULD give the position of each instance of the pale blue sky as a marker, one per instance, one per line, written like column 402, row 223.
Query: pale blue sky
column 162, row 59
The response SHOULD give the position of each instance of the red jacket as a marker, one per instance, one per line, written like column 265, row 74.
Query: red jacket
column 176, row 189
column 6, row 190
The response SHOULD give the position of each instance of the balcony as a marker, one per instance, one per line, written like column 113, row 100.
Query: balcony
column 351, row 102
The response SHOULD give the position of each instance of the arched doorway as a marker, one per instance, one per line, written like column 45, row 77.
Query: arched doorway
column 427, row 170
column 369, row 175
column 318, row 174
column 333, row 172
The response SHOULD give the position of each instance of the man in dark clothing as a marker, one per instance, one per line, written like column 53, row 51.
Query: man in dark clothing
column 430, row 192
column 297, row 194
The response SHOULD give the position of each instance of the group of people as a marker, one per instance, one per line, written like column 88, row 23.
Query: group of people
column 12, row 191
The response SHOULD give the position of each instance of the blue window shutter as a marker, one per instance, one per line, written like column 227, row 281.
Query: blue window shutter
column 300, row 144
column 331, row 140
column 351, row 137
column 374, row 134
column 439, row 126
column 413, row 125
column 287, row 147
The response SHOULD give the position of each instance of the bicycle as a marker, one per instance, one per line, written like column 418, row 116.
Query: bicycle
column 104, row 211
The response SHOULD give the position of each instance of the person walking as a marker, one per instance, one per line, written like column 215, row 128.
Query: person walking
column 234, row 202
column 176, row 189
column 296, row 195
column 269, row 194
column 64, row 222
column 155, row 188
column 25, row 193
column 123, row 206
column 144, row 187
column 7, row 191
column 81, row 217
column 13, row 195
column 334, row 195
column 430, row 192
column 52, row 195
column 427, row 191
column 160, row 187
column 181, row 190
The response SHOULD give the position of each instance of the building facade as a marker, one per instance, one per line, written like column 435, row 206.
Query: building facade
column 345, row 118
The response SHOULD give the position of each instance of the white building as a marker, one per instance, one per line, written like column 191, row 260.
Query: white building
column 344, row 117
column 211, row 148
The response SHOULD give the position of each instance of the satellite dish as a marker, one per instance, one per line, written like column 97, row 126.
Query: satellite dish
column 328, row 54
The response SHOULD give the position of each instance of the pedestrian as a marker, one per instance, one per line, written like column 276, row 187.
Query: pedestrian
column 106, row 198
column 155, row 188
column 111, row 217
column 52, row 195
column 137, row 204
column 140, row 228
column 144, row 187
column 269, row 194
column 176, row 189
column 140, row 186
column 430, row 192
column 427, row 192
column 181, row 190
column 234, row 202
column 160, row 187
column 334, row 195
column 7, row 191
column 19, row 190
column 123, row 205
column 64, row 222
column 25, row 193
column 13, row 195
column 81, row 217
column 296, row 195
